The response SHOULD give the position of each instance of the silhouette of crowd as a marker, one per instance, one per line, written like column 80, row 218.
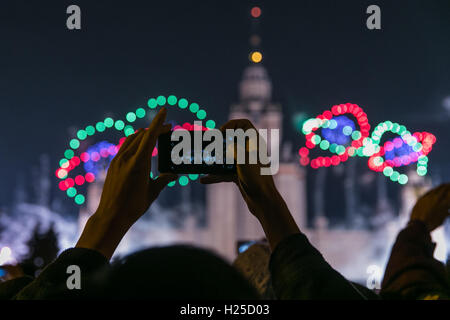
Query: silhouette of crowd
column 287, row 266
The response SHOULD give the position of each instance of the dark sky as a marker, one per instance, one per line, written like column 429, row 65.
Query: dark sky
column 318, row 53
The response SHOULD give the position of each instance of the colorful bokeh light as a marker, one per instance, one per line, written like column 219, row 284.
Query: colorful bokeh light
column 100, row 154
column 256, row 57
column 340, row 135
column 336, row 135
column 255, row 12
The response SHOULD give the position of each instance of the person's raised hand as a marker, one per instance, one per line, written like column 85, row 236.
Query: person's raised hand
column 433, row 207
column 128, row 190
column 259, row 191
column 256, row 189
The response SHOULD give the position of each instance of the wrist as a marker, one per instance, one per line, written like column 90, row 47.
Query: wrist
column 102, row 233
column 275, row 218
column 268, row 203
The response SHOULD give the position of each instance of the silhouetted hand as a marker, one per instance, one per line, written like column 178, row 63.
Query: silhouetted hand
column 433, row 208
column 128, row 191
column 255, row 188
column 259, row 192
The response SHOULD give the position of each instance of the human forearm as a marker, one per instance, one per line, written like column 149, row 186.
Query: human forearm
column 411, row 270
column 103, row 234
column 274, row 217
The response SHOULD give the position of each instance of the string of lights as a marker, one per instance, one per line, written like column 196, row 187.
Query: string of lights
column 341, row 135
column 105, row 151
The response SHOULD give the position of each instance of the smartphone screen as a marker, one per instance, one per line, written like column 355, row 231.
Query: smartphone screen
column 166, row 158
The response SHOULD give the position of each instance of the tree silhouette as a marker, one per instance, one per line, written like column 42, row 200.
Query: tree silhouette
column 42, row 249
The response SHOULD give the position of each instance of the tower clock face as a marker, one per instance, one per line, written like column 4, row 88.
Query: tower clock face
column 349, row 103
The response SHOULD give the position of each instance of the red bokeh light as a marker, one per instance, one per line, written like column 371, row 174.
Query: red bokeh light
column 90, row 177
column 303, row 152
column 79, row 180
column 255, row 12
column 84, row 157
column 304, row 161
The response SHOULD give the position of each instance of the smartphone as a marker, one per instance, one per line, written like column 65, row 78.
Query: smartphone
column 165, row 163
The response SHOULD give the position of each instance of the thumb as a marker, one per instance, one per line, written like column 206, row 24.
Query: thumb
column 163, row 180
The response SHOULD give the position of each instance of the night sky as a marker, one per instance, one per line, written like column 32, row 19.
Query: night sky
column 318, row 53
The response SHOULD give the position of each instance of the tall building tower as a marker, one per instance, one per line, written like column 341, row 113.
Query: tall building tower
column 228, row 216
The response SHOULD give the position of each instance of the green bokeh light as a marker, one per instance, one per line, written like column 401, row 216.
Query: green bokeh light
column 119, row 125
column 347, row 130
column 152, row 104
column 388, row 171
column 140, row 113
column 71, row 192
column 324, row 145
column 403, row 179
column 211, row 124
column 68, row 154
column 74, row 143
column 394, row 176
column 201, row 114
column 81, row 134
column 417, row 147
column 129, row 130
column 316, row 139
column 109, row 122
column 194, row 107
column 62, row 162
column 333, row 124
column 79, row 199
column 182, row 103
column 171, row 183
column 131, row 117
column 395, row 128
column 421, row 170
column 423, row 160
column 193, row 176
column 172, row 100
column 378, row 161
column 333, row 147
column 90, row 130
column 356, row 135
column 161, row 100
column 360, row 152
column 340, row 150
column 100, row 126
column 183, row 180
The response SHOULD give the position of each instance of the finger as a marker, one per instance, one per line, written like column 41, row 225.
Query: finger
column 129, row 141
column 159, row 119
column 162, row 181
column 213, row 178
column 134, row 149
column 156, row 128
